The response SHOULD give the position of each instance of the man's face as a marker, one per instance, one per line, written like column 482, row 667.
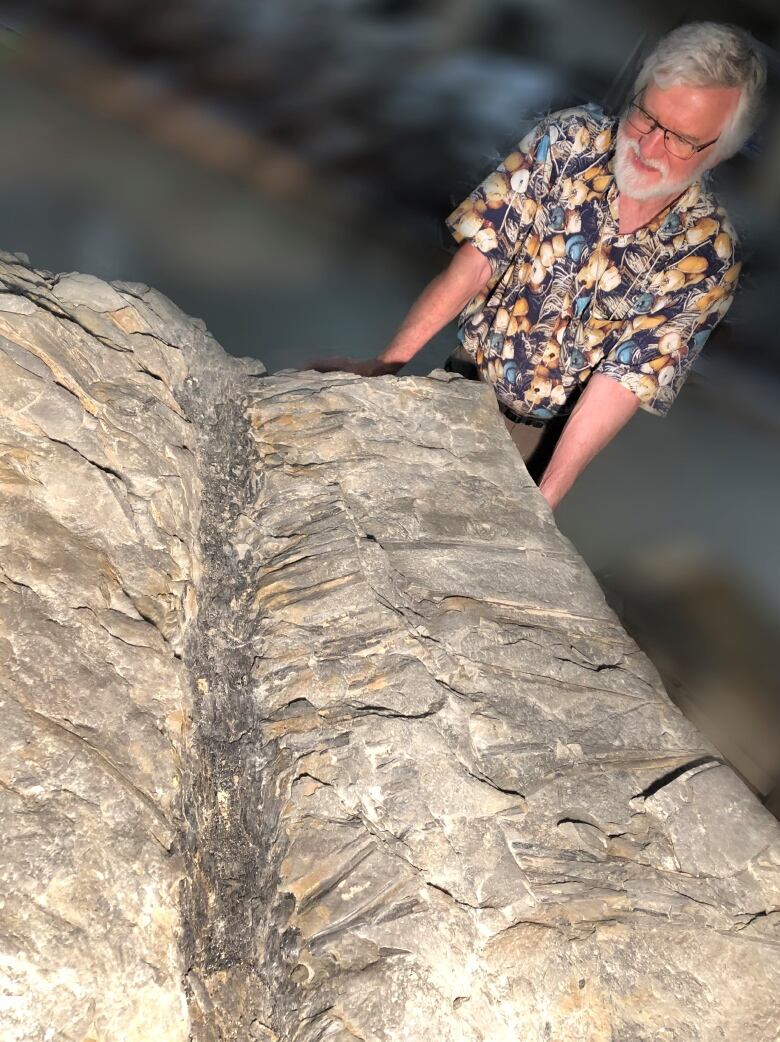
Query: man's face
column 644, row 169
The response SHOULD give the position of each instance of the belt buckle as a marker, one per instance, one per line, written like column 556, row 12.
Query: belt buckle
column 529, row 421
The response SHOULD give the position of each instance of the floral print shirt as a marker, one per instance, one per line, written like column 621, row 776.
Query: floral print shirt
column 569, row 295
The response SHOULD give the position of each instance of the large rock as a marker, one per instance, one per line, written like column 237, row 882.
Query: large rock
column 316, row 728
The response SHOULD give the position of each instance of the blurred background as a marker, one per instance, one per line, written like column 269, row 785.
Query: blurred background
column 282, row 170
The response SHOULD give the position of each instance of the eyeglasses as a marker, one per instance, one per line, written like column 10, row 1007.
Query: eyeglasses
column 675, row 144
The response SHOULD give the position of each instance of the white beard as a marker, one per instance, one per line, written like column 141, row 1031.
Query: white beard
column 632, row 183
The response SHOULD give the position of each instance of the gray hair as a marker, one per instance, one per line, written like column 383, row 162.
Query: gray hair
column 711, row 54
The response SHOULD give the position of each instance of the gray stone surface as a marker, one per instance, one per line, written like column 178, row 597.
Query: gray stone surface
column 99, row 566
column 316, row 728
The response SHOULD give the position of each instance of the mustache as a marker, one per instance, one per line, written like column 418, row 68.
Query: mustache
column 655, row 164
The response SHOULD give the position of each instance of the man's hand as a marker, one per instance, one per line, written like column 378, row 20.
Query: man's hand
column 342, row 364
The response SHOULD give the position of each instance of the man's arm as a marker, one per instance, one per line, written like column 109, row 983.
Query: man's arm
column 605, row 407
column 441, row 300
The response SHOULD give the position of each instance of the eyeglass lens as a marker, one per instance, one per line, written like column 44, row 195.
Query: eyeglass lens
column 644, row 123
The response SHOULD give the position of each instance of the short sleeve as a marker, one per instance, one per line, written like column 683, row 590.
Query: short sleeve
column 501, row 209
column 654, row 353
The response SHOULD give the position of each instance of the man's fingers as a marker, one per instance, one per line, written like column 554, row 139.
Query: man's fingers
column 341, row 364
column 328, row 365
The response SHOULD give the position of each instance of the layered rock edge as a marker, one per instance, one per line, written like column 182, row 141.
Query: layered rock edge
column 316, row 728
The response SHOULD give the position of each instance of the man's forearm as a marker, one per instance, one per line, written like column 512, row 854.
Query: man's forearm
column 441, row 300
column 605, row 407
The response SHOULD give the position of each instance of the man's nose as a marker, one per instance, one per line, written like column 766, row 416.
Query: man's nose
column 652, row 144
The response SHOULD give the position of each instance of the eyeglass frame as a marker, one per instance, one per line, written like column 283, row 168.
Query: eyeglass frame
column 659, row 126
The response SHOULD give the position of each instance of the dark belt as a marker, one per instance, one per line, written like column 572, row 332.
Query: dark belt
column 530, row 421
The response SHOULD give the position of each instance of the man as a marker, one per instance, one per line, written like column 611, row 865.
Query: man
column 593, row 262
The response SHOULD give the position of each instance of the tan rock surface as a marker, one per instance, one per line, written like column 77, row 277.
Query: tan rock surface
column 99, row 493
column 316, row 728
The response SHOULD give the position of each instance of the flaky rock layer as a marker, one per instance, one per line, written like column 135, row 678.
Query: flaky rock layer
column 316, row 728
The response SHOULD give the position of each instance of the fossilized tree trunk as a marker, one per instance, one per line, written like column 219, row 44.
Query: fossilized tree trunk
column 315, row 727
